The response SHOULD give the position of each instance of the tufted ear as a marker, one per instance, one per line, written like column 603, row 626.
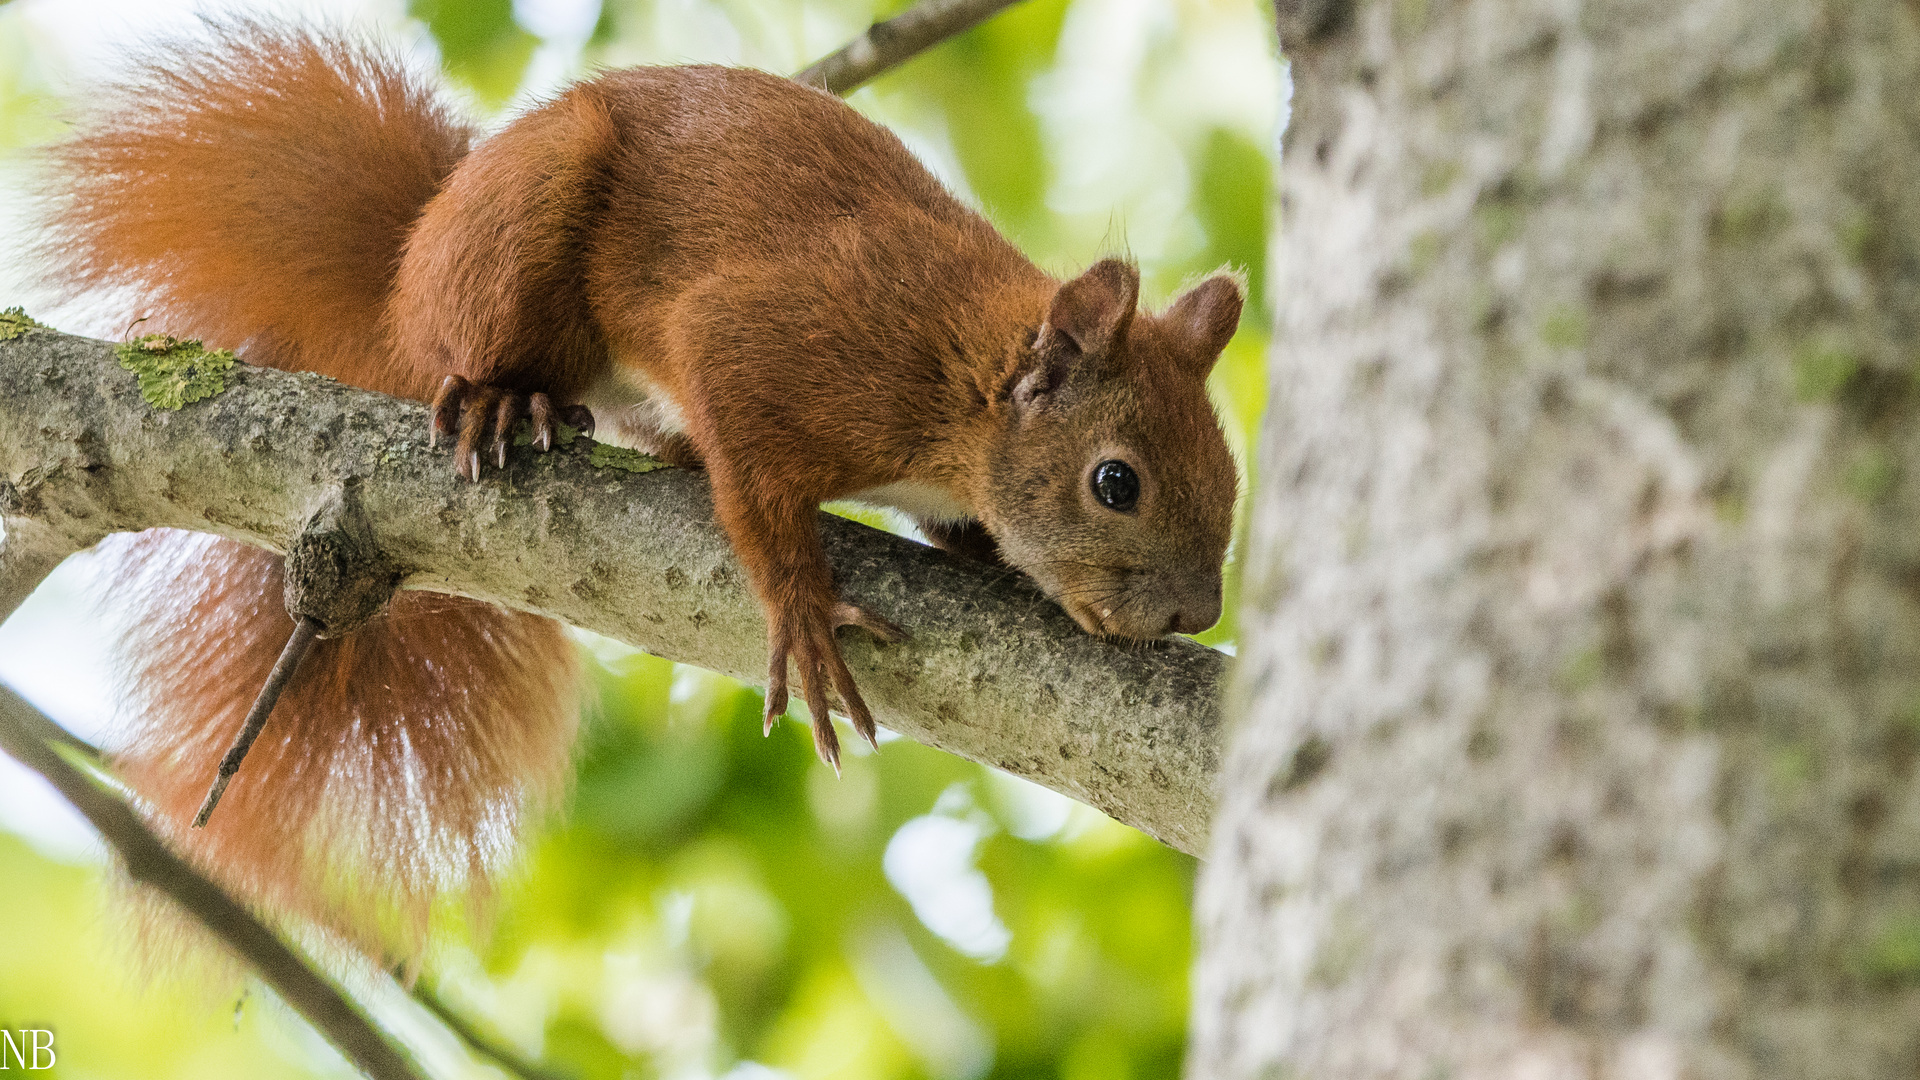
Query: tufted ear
column 1204, row 318
column 1092, row 312
column 1087, row 317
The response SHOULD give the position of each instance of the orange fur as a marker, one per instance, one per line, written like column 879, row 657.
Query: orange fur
column 399, row 762
column 255, row 192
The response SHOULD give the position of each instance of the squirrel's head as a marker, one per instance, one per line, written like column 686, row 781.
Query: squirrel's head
column 1112, row 485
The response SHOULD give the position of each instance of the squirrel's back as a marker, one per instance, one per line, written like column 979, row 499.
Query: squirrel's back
column 254, row 189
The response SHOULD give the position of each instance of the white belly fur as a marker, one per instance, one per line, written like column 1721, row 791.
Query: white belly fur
column 630, row 410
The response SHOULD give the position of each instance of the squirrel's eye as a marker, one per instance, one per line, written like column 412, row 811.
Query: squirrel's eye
column 1115, row 485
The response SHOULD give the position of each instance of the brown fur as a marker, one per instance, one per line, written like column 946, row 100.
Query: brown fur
column 255, row 193
column 729, row 267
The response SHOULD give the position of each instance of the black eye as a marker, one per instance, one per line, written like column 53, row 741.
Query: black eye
column 1115, row 485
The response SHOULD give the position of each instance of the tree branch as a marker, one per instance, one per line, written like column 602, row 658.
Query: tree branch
column 995, row 672
column 29, row 738
column 891, row 42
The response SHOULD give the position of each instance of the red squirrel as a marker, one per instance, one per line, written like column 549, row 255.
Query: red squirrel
column 729, row 270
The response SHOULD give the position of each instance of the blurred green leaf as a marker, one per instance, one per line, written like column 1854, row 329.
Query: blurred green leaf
column 480, row 44
column 1230, row 198
column 607, row 27
column 979, row 80
column 65, row 968
column 28, row 112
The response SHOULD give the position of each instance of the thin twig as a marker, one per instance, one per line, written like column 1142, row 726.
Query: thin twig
column 502, row 1056
column 891, row 42
column 306, row 630
column 28, row 737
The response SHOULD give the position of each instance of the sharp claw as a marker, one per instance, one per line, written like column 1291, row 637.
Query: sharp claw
column 473, row 466
column 499, row 453
column 846, row 614
column 872, row 738
column 544, row 440
column 776, row 708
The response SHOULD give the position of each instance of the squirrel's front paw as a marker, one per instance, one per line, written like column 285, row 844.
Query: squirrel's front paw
column 483, row 413
column 808, row 640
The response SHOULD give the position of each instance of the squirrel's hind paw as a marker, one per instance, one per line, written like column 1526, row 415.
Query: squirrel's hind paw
column 482, row 413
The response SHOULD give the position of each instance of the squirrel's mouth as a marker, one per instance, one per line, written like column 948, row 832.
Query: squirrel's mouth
column 1102, row 604
column 1110, row 620
column 1107, row 601
column 1089, row 618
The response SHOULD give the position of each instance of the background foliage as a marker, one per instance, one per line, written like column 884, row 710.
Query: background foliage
column 712, row 903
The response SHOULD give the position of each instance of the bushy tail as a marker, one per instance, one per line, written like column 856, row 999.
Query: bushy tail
column 254, row 190
column 399, row 764
column 254, row 187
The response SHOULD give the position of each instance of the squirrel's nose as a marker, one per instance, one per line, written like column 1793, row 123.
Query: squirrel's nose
column 1199, row 614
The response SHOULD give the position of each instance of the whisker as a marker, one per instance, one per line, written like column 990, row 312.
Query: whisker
column 1102, row 567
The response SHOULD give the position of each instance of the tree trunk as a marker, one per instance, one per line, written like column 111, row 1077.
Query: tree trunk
column 1580, row 692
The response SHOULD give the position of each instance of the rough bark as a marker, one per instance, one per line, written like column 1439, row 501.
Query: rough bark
column 1580, row 694
column 995, row 671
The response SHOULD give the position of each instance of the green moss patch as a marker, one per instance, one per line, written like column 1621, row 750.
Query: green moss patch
column 15, row 321
column 1821, row 369
column 1893, row 956
column 618, row 457
column 174, row 373
column 1564, row 328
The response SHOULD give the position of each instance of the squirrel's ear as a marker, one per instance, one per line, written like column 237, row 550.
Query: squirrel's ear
column 1050, row 367
column 1205, row 317
column 1093, row 311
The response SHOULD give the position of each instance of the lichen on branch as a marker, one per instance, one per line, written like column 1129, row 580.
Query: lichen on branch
column 172, row 372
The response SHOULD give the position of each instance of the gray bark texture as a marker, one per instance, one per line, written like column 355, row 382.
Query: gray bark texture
column 995, row 671
column 1580, row 695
